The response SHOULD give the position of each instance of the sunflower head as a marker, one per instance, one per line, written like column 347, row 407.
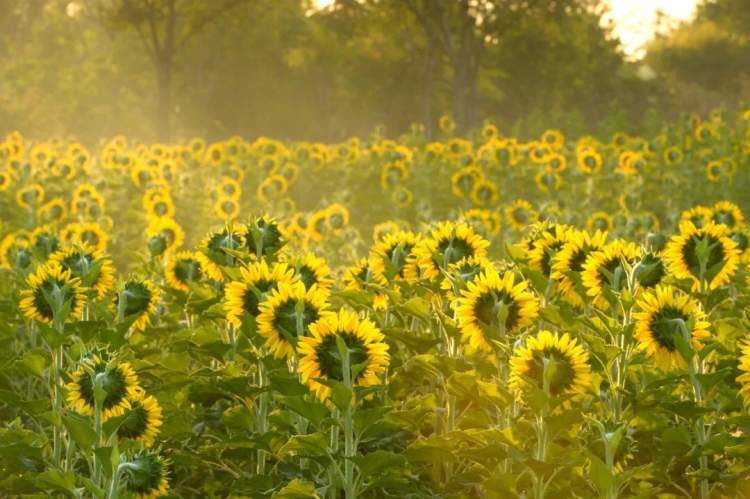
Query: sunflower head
column 448, row 243
column 145, row 475
column 117, row 380
column 744, row 378
column 257, row 281
column 89, row 265
column 669, row 324
column 286, row 315
column 322, row 358
column 220, row 245
column 728, row 214
column 707, row 256
column 313, row 270
column 567, row 263
column 164, row 235
column 53, row 294
column 462, row 272
column 142, row 419
column 263, row 237
column 606, row 270
column 393, row 257
column 555, row 364
column 492, row 307
column 189, row 266
column 137, row 299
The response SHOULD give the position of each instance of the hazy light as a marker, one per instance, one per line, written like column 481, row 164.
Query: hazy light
column 635, row 21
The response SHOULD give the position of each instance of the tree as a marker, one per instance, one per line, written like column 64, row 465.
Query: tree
column 164, row 27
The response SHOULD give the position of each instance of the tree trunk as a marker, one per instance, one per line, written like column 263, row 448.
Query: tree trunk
column 164, row 101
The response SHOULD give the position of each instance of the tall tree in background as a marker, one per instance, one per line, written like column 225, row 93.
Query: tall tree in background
column 164, row 28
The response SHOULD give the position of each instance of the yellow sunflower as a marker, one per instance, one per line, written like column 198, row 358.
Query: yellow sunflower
column 462, row 272
column 142, row 419
column 51, row 280
column 286, row 314
column 313, row 270
column 665, row 316
column 570, row 259
column 491, row 307
column 744, row 378
column 320, row 357
column 606, row 270
column 164, row 235
column 257, row 282
column 520, row 213
column 93, row 269
column 698, row 216
column 189, row 266
column 564, row 359
column 120, row 383
column 30, row 196
column 448, row 243
column 393, row 256
column 728, row 214
column 227, row 209
column 544, row 245
column 720, row 255
column 145, row 477
column 600, row 220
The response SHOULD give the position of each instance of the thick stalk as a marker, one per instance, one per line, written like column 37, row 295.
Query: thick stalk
column 349, row 443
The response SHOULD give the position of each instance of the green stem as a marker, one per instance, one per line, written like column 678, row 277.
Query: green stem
column 262, row 414
column 57, row 432
column 349, row 443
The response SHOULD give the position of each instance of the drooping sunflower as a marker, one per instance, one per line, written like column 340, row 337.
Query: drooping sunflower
column 140, row 298
column 448, row 243
column 286, row 315
column 257, row 282
column 571, row 375
column 393, row 256
column 52, row 280
column 220, row 245
column 263, row 237
column 605, row 269
column 89, row 265
column 143, row 418
column 650, row 270
column 492, row 307
column 164, row 235
column 146, row 475
column 44, row 241
column 721, row 255
column 570, row 259
column 665, row 315
column 120, row 383
column 728, row 214
column 520, row 213
column 320, row 357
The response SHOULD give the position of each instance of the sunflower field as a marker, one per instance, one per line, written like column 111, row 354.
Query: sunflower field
column 473, row 316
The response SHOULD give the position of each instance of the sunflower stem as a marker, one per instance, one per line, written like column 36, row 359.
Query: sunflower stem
column 57, row 432
column 349, row 444
column 262, row 414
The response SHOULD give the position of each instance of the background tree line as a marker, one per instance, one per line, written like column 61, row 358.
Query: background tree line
column 169, row 69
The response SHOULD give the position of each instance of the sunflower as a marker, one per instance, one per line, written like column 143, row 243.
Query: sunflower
column 91, row 234
column 393, row 173
column 520, row 213
column 606, row 270
column 393, row 256
column 337, row 217
column 589, row 160
column 140, row 298
column 286, row 315
column 556, row 163
column 665, row 315
column 484, row 193
column 120, row 383
column 492, row 307
column 52, row 281
column 227, row 209
column 145, row 475
column 553, row 138
column 488, row 220
column 402, row 197
column 448, row 243
column 744, row 379
column 317, row 225
column 698, row 216
column 545, row 244
column 462, row 272
column 257, row 282
column 271, row 188
column 6, row 179
column 89, row 265
column 53, row 211
column 160, row 204
column 600, row 220
column 721, row 258
column 313, row 271
column 714, row 170
column 464, row 180
column 728, row 214
column 186, row 267
column 15, row 251
column 142, row 419
column 219, row 245
column 673, row 156
column 30, row 196
column 164, row 235
column 44, row 241
column 650, row 270
column 547, row 181
column 320, row 357
column 263, row 237
column 570, row 259
column 569, row 364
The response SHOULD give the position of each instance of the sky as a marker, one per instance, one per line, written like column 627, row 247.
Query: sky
column 634, row 20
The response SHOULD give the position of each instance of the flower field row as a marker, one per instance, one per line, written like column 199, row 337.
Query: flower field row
column 465, row 317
